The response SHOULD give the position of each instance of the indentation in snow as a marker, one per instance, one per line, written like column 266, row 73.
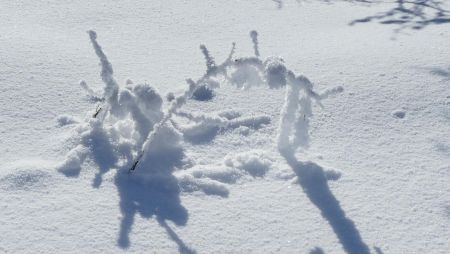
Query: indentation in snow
column 399, row 114
column 203, row 93
column 24, row 180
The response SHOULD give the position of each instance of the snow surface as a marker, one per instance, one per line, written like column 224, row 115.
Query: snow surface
column 323, row 129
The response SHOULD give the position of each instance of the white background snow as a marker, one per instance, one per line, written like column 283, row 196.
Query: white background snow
column 384, row 140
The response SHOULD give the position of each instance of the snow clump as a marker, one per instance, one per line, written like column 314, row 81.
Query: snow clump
column 255, row 162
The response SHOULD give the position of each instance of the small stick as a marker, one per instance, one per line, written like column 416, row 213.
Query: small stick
column 97, row 111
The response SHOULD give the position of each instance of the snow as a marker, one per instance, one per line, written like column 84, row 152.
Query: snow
column 254, row 163
column 304, row 127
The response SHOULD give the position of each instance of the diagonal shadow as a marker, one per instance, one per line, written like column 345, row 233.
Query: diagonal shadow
column 182, row 248
column 312, row 179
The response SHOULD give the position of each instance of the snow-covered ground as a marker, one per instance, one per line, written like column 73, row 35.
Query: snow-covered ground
column 367, row 172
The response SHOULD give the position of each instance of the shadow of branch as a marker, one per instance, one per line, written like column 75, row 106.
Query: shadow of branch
column 412, row 14
column 312, row 179
column 182, row 247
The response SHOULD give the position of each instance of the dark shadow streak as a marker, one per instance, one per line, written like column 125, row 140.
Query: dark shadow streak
column 413, row 14
column 312, row 179
column 441, row 72
column 182, row 248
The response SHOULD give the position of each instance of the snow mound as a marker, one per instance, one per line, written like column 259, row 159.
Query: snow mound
column 256, row 163
column 203, row 128
column 189, row 183
column 276, row 72
column 64, row 120
column 218, row 173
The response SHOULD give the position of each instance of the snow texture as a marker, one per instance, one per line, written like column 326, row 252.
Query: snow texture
column 263, row 152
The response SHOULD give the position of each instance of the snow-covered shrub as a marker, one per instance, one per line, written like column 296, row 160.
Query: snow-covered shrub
column 135, row 131
column 130, row 129
column 118, row 129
